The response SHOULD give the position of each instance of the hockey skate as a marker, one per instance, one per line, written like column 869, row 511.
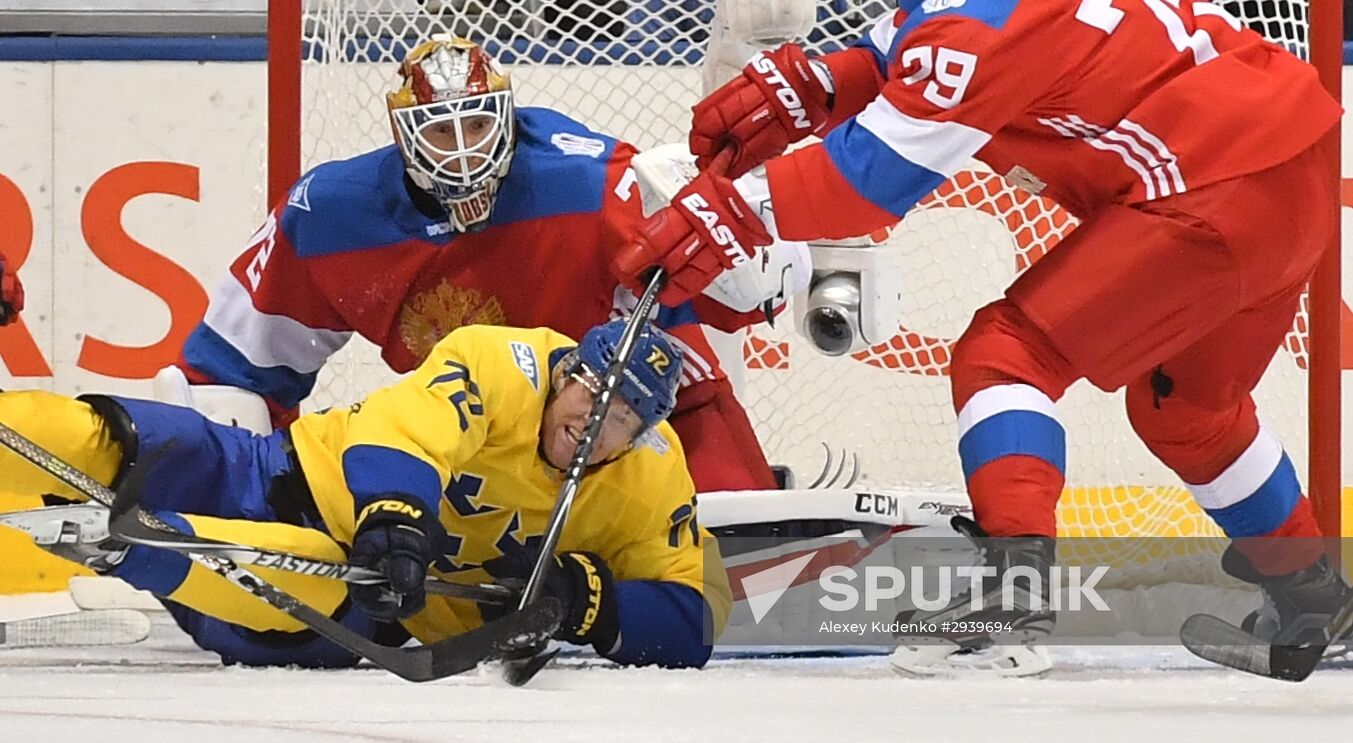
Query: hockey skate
column 78, row 533
column 996, row 638
column 1305, row 616
column 1295, row 605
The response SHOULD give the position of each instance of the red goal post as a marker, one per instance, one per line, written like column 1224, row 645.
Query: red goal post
column 1325, row 397
column 645, row 27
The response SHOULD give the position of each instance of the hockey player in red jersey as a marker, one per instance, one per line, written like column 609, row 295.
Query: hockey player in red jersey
column 1190, row 148
column 481, row 212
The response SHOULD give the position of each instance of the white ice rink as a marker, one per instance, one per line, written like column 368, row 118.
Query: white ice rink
column 167, row 690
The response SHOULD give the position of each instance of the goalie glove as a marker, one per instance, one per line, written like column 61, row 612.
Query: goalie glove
column 781, row 98
column 583, row 585
column 11, row 295
column 392, row 539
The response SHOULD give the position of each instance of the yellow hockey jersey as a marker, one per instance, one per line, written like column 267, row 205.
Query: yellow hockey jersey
column 461, row 435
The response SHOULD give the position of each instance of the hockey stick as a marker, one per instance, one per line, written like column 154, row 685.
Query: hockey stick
column 484, row 593
column 1213, row 638
column 507, row 635
column 76, row 628
column 518, row 671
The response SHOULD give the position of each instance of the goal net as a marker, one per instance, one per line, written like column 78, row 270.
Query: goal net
column 633, row 69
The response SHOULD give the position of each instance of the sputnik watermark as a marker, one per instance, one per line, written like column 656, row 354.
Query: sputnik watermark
column 931, row 588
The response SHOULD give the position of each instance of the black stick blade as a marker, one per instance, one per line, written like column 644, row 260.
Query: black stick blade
column 1214, row 639
column 501, row 638
column 519, row 671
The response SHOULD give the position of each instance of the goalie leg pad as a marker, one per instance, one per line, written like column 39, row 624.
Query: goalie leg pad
column 722, row 451
column 221, row 403
column 103, row 592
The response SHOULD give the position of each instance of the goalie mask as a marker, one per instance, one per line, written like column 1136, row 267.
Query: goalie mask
column 453, row 122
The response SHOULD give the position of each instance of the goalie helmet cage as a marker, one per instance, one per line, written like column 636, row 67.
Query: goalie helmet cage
column 631, row 68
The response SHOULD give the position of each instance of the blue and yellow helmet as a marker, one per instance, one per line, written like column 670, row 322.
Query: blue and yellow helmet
column 649, row 384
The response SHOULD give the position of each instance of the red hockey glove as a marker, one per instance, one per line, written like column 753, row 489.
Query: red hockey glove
column 11, row 295
column 776, row 101
column 707, row 228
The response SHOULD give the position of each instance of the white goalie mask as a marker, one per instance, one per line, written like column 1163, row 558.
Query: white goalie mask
column 454, row 123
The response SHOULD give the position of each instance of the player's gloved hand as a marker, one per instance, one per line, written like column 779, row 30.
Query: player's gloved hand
column 584, row 587
column 392, row 539
column 11, row 295
column 707, row 228
column 779, row 99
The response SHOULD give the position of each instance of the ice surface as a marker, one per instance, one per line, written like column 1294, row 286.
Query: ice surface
column 167, row 690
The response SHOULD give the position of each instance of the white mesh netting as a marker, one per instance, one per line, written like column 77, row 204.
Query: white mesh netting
column 632, row 68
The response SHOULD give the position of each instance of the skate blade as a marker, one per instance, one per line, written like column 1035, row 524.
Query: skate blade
column 44, row 525
column 945, row 659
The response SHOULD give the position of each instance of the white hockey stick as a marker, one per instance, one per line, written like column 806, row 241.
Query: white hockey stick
column 100, row 627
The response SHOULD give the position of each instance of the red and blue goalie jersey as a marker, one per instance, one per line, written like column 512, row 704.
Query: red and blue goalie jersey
column 353, row 250
column 1089, row 102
